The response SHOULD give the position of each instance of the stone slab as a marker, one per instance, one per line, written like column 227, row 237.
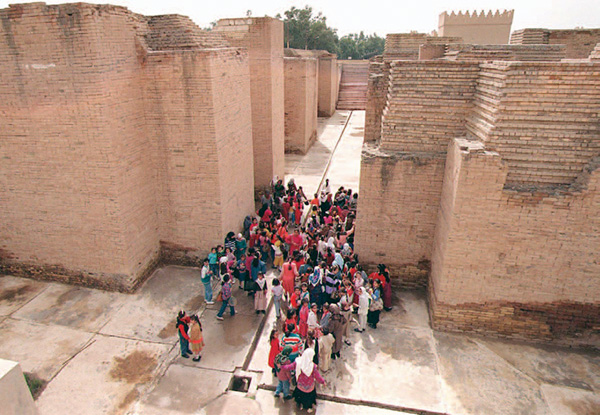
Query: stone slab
column 104, row 378
column 150, row 314
column 16, row 292
column 76, row 307
column 569, row 401
column 552, row 365
column 40, row 349
column 478, row 382
column 184, row 390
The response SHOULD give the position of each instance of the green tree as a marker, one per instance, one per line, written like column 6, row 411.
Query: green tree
column 303, row 30
column 306, row 30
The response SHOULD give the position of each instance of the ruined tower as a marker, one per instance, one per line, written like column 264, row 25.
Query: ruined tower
column 479, row 28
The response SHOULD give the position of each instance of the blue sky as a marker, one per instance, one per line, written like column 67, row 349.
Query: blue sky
column 377, row 16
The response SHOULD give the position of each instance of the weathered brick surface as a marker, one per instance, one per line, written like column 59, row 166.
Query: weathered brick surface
column 543, row 118
column 301, row 93
column 427, row 104
column 480, row 53
column 579, row 42
column 480, row 28
column 397, row 211
column 405, row 46
column 511, row 262
column 263, row 38
column 513, row 246
column 109, row 145
column 379, row 79
column 328, row 85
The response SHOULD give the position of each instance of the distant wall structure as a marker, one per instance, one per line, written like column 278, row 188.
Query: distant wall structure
column 126, row 140
column 263, row 38
column 579, row 43
column 329, row 82
column 478, row 28
column 328, row 77
column 301, row 96
column 483, row 175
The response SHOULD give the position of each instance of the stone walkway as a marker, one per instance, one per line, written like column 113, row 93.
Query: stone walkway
column 111, row 353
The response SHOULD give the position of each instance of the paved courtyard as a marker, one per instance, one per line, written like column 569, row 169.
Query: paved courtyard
column 111, row 353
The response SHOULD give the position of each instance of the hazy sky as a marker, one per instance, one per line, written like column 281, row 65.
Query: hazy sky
column 379, row 16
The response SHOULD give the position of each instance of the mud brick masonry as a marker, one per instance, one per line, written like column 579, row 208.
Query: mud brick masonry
column 263, row 38
column 310, row 90
column 480, row 181
column 125, row 140
column 477, row 28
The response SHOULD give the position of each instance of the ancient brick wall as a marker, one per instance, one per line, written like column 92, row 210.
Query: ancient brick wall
column 405, row 46
column 479, row 28
column 543, row 118
column 301, row 93
column 514, row 263
column 263, row 37
column 579, row 43
column 480, row 53
column 427, row 104
column 379, row 79
column 397, row 212
column 111, row 146
column 202, row 128
column 401, row 179
column 328, row 86
column 77, row 194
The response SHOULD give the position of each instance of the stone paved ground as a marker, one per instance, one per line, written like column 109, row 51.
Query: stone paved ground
column 110, row 353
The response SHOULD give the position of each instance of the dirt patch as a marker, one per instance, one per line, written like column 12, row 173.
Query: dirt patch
column 168, row 331
column 195, row 303
column 129, row 399
column 70, row 295
column 137, row 367
column 13, row 294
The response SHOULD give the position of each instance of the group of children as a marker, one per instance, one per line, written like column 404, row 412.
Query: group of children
column 320, row 285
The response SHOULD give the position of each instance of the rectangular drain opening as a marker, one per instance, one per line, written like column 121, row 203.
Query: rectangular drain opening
column 240, row 383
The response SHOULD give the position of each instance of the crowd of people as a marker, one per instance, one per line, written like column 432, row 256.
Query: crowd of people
column 320, row 291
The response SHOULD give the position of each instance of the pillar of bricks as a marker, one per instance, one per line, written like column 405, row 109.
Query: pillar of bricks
column 263, row 38
column 328, row 85
column 120, row 133
column 300, row 103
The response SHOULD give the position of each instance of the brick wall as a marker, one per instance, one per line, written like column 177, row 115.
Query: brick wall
column 377, row 89
column 301, row 92
column 401, row 176
column 263, row 37
column 543, row 118
column 397, row 212
column 77, row 194
column 110, row 146
column 513, row 263
column 202, row 128
column 328, row 86
column 405, row 46
column 579, row 43
column 481, row 28
column 480, row 53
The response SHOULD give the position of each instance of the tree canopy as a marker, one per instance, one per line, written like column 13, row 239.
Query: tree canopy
column 306, row 30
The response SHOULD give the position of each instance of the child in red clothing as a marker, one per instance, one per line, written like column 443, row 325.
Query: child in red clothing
column 275, row 349
column 292, row 319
